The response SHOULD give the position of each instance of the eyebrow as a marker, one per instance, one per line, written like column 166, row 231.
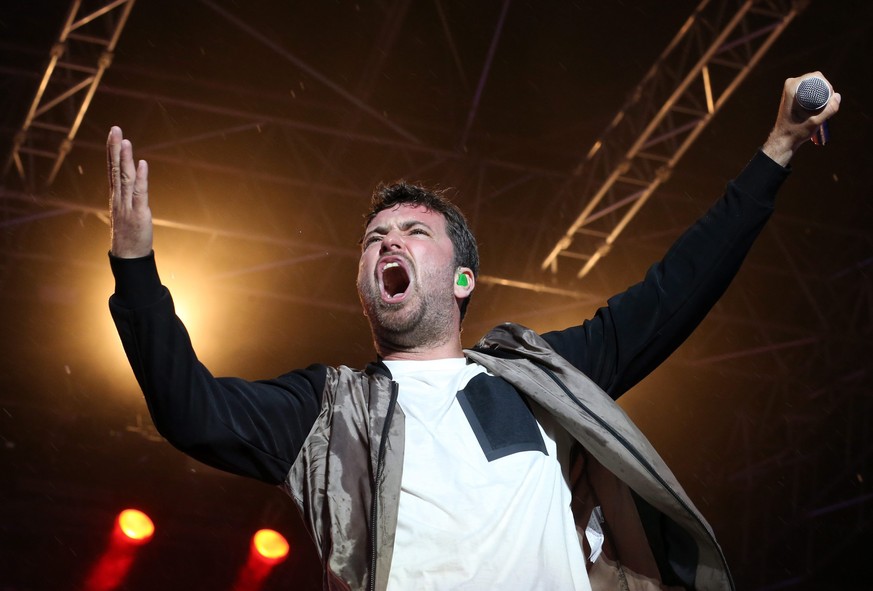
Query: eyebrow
column 404, row 226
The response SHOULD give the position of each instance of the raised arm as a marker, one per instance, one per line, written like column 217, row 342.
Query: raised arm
column 250, row 428
column 642, row 326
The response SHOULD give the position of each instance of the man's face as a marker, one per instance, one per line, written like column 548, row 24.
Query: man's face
column 405, row 277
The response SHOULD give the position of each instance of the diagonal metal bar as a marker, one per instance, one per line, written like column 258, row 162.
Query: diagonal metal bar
column 486, row 69
column 537, row 288
column 202, row 136
column 804, row 286
column 307, row 126
column 322, row 78
column 33, row 217
column 286, row 297
column 100, row 212
column 271, row 265
column 450, row 40
column 756, row 351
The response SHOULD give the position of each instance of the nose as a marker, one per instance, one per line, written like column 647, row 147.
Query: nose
column 393, row 240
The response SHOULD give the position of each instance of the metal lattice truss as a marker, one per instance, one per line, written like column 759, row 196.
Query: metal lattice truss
column 77, row 62
column 690, row 81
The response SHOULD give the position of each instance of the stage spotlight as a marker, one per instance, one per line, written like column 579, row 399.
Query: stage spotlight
column 267, row 549
column 132, row 529
column 270, row 545
column 136, row 526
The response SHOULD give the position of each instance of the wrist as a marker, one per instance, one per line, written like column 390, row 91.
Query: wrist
column 780, row 148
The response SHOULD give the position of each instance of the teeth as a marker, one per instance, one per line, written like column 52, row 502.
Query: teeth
column 391, row 265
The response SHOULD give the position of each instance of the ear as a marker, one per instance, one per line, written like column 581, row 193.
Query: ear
column 465, row 282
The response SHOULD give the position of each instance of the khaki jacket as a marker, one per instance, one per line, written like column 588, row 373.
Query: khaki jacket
column 356, row 447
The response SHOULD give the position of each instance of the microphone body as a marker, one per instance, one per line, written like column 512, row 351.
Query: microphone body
column 813, row 94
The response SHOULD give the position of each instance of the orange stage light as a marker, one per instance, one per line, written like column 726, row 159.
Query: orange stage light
column 268, row 548
column 132, row 529
column 270, row 545
column 136, row 525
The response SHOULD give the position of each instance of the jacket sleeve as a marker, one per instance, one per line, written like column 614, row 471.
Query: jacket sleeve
column 253, row 429
column 642, row 326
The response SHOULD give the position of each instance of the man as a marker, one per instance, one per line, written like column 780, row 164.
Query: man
column 507, row 466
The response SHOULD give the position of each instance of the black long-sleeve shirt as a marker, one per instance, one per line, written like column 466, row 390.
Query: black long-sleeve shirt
column 257, row 428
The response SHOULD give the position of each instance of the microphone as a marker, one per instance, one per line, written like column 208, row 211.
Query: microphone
column 813, row 94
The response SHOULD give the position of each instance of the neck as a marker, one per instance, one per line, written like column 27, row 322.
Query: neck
column 449, row 349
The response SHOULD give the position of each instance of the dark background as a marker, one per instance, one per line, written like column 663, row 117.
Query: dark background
column 267, row 125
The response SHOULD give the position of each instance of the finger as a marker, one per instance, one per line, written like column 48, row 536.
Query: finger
column 140, row 197
column 128, row 172
column 113, row 157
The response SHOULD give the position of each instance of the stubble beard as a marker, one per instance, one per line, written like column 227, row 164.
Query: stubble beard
column 423, row 320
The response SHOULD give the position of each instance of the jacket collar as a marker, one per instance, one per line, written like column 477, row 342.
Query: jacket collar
column 378, row 367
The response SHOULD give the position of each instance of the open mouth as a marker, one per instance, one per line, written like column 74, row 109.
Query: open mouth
column 395, row 281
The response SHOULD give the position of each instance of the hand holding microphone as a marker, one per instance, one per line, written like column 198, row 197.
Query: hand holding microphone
column 808, row 101
column 812, row 95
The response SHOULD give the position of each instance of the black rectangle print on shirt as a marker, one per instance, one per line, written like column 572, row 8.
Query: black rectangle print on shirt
column 500, row 418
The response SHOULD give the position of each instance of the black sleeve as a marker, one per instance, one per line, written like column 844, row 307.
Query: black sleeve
column 255, row 429
column 639, row 328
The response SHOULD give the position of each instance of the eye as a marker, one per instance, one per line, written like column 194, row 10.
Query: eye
column 420, row 231
column 371, row 239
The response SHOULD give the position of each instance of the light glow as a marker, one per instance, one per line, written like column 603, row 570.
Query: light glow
column 270, row 544
column 136, row 525
column 131, row 530
column 267, row 549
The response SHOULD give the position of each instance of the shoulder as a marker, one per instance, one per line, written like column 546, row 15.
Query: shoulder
column 510, row 339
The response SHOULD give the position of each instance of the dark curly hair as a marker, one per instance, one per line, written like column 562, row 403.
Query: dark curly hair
column 463, row 241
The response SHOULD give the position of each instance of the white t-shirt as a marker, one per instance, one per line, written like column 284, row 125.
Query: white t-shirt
column 466, row 522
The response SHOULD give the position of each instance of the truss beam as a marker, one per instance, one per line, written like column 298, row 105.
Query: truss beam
column 77, row 63
column 692, row 79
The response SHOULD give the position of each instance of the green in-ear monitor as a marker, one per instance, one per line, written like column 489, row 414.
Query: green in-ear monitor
column 462, row 281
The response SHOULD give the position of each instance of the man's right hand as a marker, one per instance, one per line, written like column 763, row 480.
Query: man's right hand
column 129, row 213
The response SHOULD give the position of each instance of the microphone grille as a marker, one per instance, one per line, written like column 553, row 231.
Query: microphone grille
column 812, row 94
